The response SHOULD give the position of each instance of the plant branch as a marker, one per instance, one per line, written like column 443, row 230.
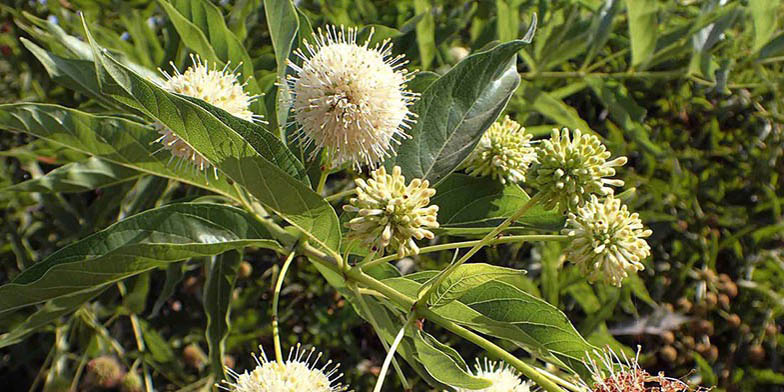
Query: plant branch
column 468, row 244
column 275, row 301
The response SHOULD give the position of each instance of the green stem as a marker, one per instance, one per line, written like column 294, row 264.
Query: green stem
column 275, row 300
column 468, row 244
column 391, row 355
column 322, row 180
column 341, row 195
column 484, row 241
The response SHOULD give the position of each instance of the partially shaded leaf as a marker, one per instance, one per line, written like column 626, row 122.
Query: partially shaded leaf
column 440, row 362
column 455, row 111
column 140, row 243
column 643, row 29
column 217, row 303
column 77, row 177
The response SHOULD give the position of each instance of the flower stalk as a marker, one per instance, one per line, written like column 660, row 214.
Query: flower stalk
column 275, row 301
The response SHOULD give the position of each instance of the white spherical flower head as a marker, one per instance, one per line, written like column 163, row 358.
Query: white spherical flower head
column 391, row 213
column 503, row 376
column 298, row 373
column 611, row 373
column 608, row 241
column 220, row 88
column 504, row 153
column 351, row 99
column 572, row 167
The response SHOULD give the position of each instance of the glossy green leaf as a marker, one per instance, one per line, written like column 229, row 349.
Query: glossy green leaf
column 466, row 278
column 441, row 361
column 227, row 151
column 467, row 200
column 455, row 111
column 217, row 304
column 77, row 177
column 113, row 139
column 140, row 243
column 501, row 308
column 283, row 24
column 643, row 29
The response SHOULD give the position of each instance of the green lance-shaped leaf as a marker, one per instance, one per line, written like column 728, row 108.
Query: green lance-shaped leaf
column 113, row 139
column 77, row 177
column 224, row 148
column 139, row 243
column 217, row 302
column 501, row 308
column 467, row 278
column 48, row 313
column 283, row 24
column 643, row 26
column 467, row 200
column 455, row 110
column 444, row 363
column 76, row 74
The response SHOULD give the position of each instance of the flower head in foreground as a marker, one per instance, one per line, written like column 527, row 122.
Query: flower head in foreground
column 504, row 153
column 219, row 88
column 612, row 374
column 608, row 241
column 298, row 373
column 391, row 213
column 503, row 376
column 351, row 99
column 572, row 167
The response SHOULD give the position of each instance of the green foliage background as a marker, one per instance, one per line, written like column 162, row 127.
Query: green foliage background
column 690, row 91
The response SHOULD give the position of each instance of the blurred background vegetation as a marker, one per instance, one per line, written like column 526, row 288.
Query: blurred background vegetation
column 689, row 90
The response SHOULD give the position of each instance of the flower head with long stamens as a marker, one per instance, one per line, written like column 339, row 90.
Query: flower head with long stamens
column 503, row 376
column 610, row 373
column 351, row 99
column 220, row 88
column 608, row 242
column 572, row 167
column 298, row 373
column 391, row 213
column 504, row 153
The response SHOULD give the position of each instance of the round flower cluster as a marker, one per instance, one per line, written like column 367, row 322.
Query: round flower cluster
column 219, row 88
column 351, row 99
column 391, row 213
column 572, row 167
column 608, row 241
column 613, row 374
column 503, row 376
column 298, row 373
column 504, row 153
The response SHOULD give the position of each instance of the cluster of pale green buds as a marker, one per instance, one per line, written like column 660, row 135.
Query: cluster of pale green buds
column 608, row 241
column 391, row 213
column 504, row 153
column 571, row 168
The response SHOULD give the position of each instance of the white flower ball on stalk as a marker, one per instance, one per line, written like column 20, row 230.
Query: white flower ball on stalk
column 391, row 213
column 572, row 167
column 504, row 153
column 612, row 373
column 503, row 376
column 608, row 242
column 220, row 88
column 351, row 99
column 300, row 372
